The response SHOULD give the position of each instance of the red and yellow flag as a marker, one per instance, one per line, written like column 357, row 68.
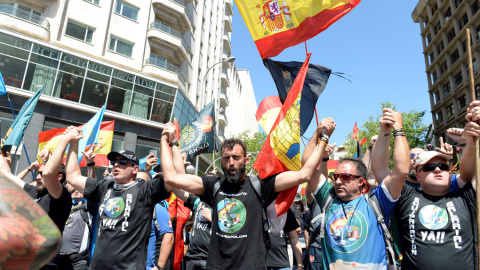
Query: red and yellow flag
column 51, row 138
column 278, row 24
column 281, row 150
column 179, row 214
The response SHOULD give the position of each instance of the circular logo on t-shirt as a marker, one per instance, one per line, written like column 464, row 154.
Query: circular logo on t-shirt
column 114, row 207
column 347, row 232
column 231, row 215
column 433, row 217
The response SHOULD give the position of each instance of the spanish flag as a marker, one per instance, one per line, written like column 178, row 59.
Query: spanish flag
column 51, row 138
column 281, row 150
column 278, row 24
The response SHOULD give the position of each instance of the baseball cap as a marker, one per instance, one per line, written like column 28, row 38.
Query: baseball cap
column 425, row 157
column 124, row 153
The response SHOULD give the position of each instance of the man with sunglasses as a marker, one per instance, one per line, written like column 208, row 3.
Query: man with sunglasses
column 352, row 236
column 436, row 220
column 126, row 206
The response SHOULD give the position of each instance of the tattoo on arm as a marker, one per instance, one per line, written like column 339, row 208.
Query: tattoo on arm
column 28, row 237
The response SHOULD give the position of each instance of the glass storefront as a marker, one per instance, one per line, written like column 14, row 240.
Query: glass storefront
column 29, row 66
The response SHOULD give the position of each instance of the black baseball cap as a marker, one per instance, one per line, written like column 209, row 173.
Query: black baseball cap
column 124, row 153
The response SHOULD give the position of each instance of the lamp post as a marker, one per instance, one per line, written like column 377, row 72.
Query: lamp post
column 226, row 60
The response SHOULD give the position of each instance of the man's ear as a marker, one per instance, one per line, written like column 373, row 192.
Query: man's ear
column 135, row 169
column 247, row 159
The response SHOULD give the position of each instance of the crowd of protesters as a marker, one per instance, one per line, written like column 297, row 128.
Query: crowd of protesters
column 74, row 221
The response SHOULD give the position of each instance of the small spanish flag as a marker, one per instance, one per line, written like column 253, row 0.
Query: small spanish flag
column 276, row 25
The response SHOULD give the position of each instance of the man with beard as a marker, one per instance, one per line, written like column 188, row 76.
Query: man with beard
column 50, row 194
column 237, row 240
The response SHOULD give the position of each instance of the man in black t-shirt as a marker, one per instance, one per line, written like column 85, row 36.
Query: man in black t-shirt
column 126, row 206
column 237, row 241
column 50, row 194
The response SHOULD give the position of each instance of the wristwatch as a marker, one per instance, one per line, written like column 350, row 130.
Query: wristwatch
column 174, row 143
column 160, row 267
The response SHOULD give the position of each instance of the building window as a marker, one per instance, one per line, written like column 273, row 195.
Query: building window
column 463, row 21
column 447, row 15
column 454, row 56
column 428, row 39
column 457, row 3
column 434, row 77
column 443, row 67
column 79, row 31
column 446, row 89
column 431, row 58
column 434, row 8
column 451, row 35
column 439, row 117
column 458, row 79
column 22, row 12
column 126, row 10
column 440, row 47
column 449, row 110
column 475, row 7
column 437, row 28
column 437, row 97
column 121, row 46
column 461, row 102
column 96, row 2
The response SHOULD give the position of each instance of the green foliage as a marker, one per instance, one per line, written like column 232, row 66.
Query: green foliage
column 413, row 125
column 254, row 144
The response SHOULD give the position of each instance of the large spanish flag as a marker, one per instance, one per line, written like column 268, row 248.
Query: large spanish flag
column 278, row 24
column 51, row 138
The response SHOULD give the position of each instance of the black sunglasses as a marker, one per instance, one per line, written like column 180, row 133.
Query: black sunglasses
column 432, row 167
column 345, row 176
column 121, row 161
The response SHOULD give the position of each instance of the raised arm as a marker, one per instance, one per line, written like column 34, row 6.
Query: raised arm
column 90, row 159
column 290, row 179
column 28, row 237
column 190, row 183
column 326, row 155
column 367, row 158
column 395, row 179
column 7, row 173
column 470, row 132
column 74, row 177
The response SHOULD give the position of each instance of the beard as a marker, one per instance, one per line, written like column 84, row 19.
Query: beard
column 40, row 189
column 412, row 175
column 234, row 178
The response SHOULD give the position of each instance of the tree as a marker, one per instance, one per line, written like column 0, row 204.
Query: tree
column 254, row 144
column 413, row 125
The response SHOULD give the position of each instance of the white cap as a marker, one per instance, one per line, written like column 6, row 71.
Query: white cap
column 425, row 157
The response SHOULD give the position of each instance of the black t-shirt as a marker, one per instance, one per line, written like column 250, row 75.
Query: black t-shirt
column 57, row 209
column 277, row 256
column 201, row 230
column 125, row 219
column 237, row 241
column 437, row 232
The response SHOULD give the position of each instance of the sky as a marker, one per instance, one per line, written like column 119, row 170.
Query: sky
column 377, row 44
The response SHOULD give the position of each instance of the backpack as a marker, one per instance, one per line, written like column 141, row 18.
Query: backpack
column 255, row 181
column 372, row 200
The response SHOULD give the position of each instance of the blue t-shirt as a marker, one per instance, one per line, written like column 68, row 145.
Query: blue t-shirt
column 353, row 238
column 163, row 220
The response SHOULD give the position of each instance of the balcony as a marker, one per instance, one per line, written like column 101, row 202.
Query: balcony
column 14, row 19
column 226, row 42
column 224, row 98
column 228, row 7
column 228, row 23
column 160, row 68
column 176, row 8
column 222, row 118
column 170, row 38
column 224, row 79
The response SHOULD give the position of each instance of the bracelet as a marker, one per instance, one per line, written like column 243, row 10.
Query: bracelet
column 160, row 267
column 300, row 265
column 29, row 169
column 322, row 141
column 91, row 164
column 387, row 134
column 395, row 131
column 174, row 143
column 370, row 147
column 399, row 134
column 326, row 159
column 324, row 136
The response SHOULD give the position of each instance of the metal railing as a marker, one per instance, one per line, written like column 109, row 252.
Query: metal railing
column 224, row 91
column 222, row 113
column 169, row 30
column 163, row 63
column 24, row 15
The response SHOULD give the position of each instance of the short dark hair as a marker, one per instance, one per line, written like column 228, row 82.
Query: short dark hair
column 230, row 143
column 149, row 176
column 360, row 168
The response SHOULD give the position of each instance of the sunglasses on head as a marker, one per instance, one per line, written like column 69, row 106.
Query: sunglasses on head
column 412, row 156
column 121, row 161
column 345, row 176
column 432, row 167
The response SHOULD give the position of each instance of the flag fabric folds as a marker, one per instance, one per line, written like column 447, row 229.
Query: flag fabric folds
column 281, row 150
column 17, row 128
column 198, row 136
column 276, row 25
column 179, row 215
column 284, row 73
column 3, row 89
column 355, row 131
column 51, row 138
column 267, row 112
column 90, row 131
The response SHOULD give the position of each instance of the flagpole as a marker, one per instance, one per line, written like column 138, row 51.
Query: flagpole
column 24, row 148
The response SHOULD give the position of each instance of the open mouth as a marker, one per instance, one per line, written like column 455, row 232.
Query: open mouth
column 232, row 170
